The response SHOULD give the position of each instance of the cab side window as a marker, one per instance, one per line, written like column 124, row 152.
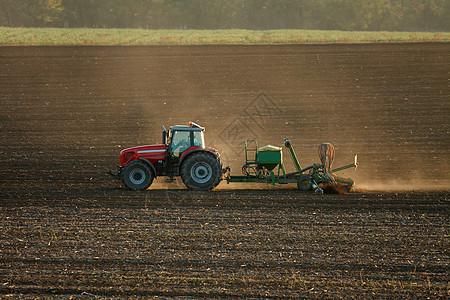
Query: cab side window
column 180, row 142
column 198, row 139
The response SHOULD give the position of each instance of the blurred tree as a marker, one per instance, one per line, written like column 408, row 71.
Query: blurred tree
column 13, row 12
column 380, row 15
column 40, row 13
column 274, row 14
column 221, row 14
column 81, row 13
column 425, row 15
column 46, row 12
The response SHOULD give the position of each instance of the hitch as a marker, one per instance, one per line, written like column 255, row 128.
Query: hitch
column 226, row 172
column 116, row 175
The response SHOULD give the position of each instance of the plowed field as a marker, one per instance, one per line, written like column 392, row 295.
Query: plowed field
column 68, row 231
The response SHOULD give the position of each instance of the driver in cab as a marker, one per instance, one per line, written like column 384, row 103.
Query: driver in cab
column 180, row 146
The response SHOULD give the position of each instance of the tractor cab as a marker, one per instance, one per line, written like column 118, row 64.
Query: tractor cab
column 180, row 138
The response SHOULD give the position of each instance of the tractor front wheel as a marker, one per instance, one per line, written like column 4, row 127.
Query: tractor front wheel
column 304, row 183
column 137, row 176
column 201, row 171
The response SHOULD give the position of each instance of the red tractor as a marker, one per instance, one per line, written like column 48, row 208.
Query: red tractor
column 182, row 153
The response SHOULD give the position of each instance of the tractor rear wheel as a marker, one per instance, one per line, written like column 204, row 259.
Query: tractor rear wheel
column 137, row 176
column 304, row 183
column 201, row 171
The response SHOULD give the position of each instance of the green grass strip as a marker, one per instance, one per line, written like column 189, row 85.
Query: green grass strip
column 88, row 36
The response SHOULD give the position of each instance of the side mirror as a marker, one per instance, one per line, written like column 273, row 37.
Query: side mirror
column 164, row 135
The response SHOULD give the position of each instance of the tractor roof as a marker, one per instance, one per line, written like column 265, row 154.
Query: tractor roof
column 192, row 127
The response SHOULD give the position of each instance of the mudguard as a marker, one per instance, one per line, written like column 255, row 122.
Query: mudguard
column 150, row 164
column 186, row 154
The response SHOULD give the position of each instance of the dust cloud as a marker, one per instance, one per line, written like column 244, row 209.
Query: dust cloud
column 400, row 185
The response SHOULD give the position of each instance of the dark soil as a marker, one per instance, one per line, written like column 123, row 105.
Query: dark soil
column 67, row 230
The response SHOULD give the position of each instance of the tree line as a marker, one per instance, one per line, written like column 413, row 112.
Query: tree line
column 389, row 15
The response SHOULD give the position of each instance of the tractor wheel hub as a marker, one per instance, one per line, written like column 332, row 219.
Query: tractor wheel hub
column 201, row 172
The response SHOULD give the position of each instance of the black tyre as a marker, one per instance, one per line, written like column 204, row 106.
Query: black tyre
column 201, row 171
column 137, row 176
column 304, row 183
